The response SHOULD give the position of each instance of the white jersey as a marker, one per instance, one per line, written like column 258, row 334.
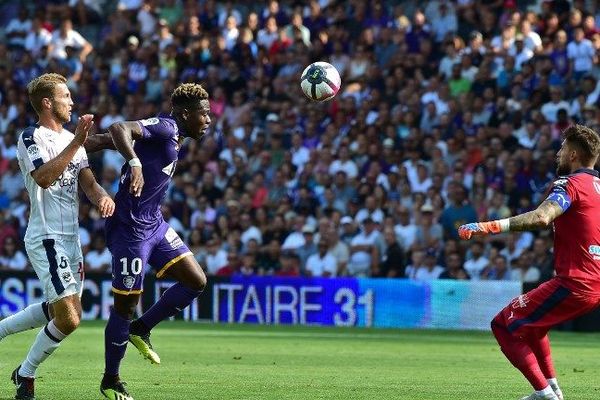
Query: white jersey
column 54, row 211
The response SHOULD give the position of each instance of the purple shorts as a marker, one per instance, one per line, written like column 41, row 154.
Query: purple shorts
column 130, row 259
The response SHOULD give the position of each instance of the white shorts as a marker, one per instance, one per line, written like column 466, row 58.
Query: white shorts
column 58, row 264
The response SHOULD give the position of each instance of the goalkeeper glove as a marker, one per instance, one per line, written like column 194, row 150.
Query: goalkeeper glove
column 482, row 228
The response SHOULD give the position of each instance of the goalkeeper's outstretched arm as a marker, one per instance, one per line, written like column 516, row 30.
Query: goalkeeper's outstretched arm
column 540, row 218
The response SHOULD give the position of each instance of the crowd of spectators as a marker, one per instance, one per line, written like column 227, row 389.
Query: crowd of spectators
column 449, row 112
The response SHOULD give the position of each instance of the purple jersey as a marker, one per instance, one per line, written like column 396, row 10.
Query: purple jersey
column 158, row 151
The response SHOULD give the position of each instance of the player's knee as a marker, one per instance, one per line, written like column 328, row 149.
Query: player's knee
column 68, row 323
column 125, row 311
column 195, row 281
column 201, row 282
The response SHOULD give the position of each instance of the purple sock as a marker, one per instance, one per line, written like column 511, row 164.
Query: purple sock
column 116, row 336
column 173, row 300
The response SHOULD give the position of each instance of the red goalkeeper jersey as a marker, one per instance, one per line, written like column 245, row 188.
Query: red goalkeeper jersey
column 577, row 231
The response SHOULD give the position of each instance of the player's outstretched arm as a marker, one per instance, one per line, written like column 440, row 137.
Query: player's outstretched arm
column 96, row 193
column 100, row 141
column 123, row 134
column 45, row 175
column 541, row 217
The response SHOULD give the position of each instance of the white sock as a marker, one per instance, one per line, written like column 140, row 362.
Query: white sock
column 553, row 382
column 31, row 317
column 547, row 391
column 47, row 340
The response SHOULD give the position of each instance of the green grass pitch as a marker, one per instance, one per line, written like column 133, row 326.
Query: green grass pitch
column 221, row 362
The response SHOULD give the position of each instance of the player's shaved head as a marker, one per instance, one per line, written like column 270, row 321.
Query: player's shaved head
column 585, row 141
column 43, row 87
column 188, row 95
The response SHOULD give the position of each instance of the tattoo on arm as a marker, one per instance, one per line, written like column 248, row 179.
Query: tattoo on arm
column 539, row 218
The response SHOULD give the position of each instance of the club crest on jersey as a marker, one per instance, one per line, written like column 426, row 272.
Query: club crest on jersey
column 66, row 276
column 149, row 121
column 128, row 282
column 34, row 152
column 520, row 302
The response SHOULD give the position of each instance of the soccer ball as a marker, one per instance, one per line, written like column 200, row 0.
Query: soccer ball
column 320, row 81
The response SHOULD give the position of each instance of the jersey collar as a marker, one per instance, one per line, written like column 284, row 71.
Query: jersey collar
column 586, row 171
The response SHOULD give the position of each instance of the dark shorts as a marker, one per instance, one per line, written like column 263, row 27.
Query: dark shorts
column 538, row 310
column 130, row 259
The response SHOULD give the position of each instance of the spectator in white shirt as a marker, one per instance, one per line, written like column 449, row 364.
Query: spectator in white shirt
column 524, row 269
column 370, row 211
column 581, row 55
column 268, row 34
column 520, row 52
column 12, row 259
column 99, row 258
column 216, row 257
column 111, row 117
column 37, row 38
column 405, row 230
column 344, row 163
column 322, row 263
column 477, row 262
column 300, row 154
column 445, row 22
column 550, row 109
column 364, row 254
column 17, row 29
column 532, row 39
column 428, row 269
column 249, row 231
column 67, row 36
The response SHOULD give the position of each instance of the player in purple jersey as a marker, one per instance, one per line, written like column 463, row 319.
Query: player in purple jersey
column 138, row 235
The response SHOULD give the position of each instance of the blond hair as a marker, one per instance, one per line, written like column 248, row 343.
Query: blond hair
column 43, row 87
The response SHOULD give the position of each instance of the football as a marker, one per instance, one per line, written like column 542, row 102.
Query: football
column 320, row 81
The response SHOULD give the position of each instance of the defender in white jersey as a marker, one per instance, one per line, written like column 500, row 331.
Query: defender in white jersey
column 53, row 162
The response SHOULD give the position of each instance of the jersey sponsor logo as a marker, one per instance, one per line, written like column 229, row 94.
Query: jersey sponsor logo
column 68, row 179
column 149, row 121
column 173, row 238
column 594, row 250
column 33, row 152
column 128, row 281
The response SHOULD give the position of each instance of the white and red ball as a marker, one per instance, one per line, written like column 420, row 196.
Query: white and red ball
column 320, row 81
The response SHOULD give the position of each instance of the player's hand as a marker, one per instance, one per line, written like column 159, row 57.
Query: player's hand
column 84, row 125
column 137, row 181
column 106, row 205
column 466, row 231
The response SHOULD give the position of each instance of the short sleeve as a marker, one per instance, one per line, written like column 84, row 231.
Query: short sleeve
column 33, row 154
column 78, row 40
column 83, row 158
column 158, row 128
